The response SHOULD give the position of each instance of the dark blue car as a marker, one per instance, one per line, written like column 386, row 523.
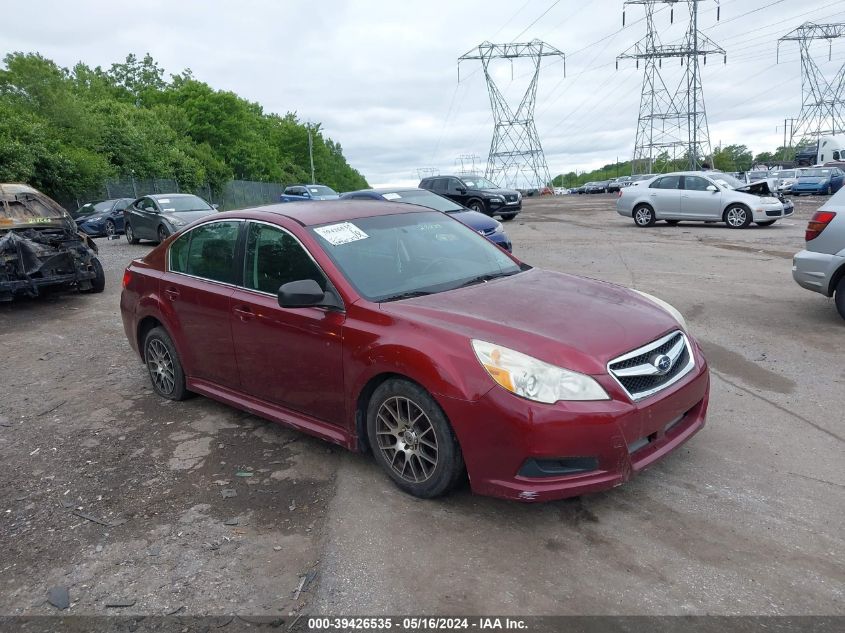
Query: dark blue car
column 97, row 219
column 483, row 224
column 823, row 180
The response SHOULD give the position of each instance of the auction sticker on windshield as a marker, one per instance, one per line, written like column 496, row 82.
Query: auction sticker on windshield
column 343, row 233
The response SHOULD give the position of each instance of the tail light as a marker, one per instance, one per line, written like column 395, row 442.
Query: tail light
column 127, row 277
column 619, row 194
column 818, row 223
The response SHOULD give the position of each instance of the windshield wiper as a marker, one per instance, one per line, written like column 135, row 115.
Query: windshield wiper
column 480, row 279
column 406, row 295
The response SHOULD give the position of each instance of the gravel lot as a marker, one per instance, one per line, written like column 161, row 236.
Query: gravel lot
column 123, row 498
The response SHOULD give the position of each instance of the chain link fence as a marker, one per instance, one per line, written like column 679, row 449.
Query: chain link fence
column 235, row 194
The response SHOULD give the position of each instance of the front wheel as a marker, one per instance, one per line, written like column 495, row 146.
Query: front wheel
column 130, row 234
column 412, row 440
column 737, row 217
column 163, row 234
column 828, row 190
column 644, row 216
column 98, row 283
column 110, row 228
column 163, row 364
column 476, row 205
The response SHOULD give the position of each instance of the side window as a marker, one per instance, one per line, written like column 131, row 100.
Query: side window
column 439, row 185
column 453, row 185
column 211, row 254
column 148, row 205
column 274, row 258
column 179, row 253
column 694, row 183
column 836, row 155
column 667, row 182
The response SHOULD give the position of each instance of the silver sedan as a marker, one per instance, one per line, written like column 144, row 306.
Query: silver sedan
column 702, row 197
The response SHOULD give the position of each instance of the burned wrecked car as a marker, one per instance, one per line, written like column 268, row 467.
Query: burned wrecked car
column 40, row 246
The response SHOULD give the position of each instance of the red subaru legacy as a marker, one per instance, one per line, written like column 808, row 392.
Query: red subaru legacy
column 407, row 334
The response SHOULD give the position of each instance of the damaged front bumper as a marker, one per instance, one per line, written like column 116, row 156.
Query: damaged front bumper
column 31, row 259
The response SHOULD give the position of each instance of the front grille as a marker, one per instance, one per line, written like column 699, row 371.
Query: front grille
column 638, row 372
column 511, row 197
column 773, row 213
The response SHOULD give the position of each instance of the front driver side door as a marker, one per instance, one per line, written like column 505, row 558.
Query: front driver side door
column 145, row 219
column 286, row 356
column 697, row 203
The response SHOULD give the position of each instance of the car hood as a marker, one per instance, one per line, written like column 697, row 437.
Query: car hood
column 758, row 188
column 569, row 321
column 474, row 220
column 186, row 216
column 499, row 192
column 331, row 196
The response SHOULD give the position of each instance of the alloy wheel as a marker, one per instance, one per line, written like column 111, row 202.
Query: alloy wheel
column 162, row 234
column 160, row 364
column 406, row 438
column 736, row 217
column 130, row 235
column 643, row 216
column 109, row 228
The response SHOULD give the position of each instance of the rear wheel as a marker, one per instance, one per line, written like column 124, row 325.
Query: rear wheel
column 412, row 440
column 163, row 364
column 130, row 234
column 737, row 216
column 839, row 297
column 644, row 216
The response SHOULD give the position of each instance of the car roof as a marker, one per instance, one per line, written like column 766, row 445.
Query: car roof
column 381, row 190
column 158, row 196
column 311, row 213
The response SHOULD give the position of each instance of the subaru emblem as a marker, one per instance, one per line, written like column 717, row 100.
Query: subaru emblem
column 662, row 364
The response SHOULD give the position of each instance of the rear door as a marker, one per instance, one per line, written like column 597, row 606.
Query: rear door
column 287, row 356
column 665, row 196
column 198, row 285
column 697, row 203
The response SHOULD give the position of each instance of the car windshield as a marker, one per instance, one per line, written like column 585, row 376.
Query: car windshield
column 182, row 204
column 320, row 190
column 816, row 173
column 727, row 181
column 398, row 256
column 91, row 209
column 423, row 198
column 479, row 183
column 786, row 174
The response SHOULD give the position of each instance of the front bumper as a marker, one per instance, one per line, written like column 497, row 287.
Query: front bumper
column 814, row 271
column 504, row 437
column 93, row 229
column 799, row 189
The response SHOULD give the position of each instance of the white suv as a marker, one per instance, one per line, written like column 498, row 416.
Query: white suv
column 821, row 266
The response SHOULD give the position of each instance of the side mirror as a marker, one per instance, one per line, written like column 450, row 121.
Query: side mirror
column 462, row 190
column 306, row 293
column 215, row 206
column 712, row 188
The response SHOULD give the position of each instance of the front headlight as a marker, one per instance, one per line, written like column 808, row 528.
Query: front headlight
column 96, row 218
column 176, row 221
column 769, row 200
column 499, row 199
column 533, row 379
column 668, row 307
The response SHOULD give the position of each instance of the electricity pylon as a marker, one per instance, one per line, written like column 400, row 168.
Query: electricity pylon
column 822, row 99
column 672, row 119
column 515, row 149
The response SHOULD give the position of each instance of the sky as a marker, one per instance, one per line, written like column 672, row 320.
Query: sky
column 381, row 76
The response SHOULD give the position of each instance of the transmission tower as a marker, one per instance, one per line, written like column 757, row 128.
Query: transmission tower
column 515, row 148
column 822, row 99
column 672, row 117
column 467, row 164
column 425, row 172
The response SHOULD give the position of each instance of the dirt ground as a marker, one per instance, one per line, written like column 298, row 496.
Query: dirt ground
column 141, row 506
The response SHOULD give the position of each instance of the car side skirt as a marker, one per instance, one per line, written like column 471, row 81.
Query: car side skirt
column 274, row 413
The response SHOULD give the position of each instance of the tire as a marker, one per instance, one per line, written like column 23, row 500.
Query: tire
column 828, row 190
column 673, row 222
column 434, row 467
column 839, row 297
column 163, row 365
column 644, row 216
column 507, row 217
column 130, row 234
column 163, row 234
column 111, row 229
column 765, row 223
column 477, row 205
column 737, row 216
column 98, row 283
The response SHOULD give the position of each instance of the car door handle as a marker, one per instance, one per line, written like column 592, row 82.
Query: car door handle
column 172, row 293
column 685, row 196
column 244, row 313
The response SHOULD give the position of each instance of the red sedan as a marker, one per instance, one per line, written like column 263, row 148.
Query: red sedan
column 409, row 335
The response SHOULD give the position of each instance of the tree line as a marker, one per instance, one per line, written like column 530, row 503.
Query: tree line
column 68, row 130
